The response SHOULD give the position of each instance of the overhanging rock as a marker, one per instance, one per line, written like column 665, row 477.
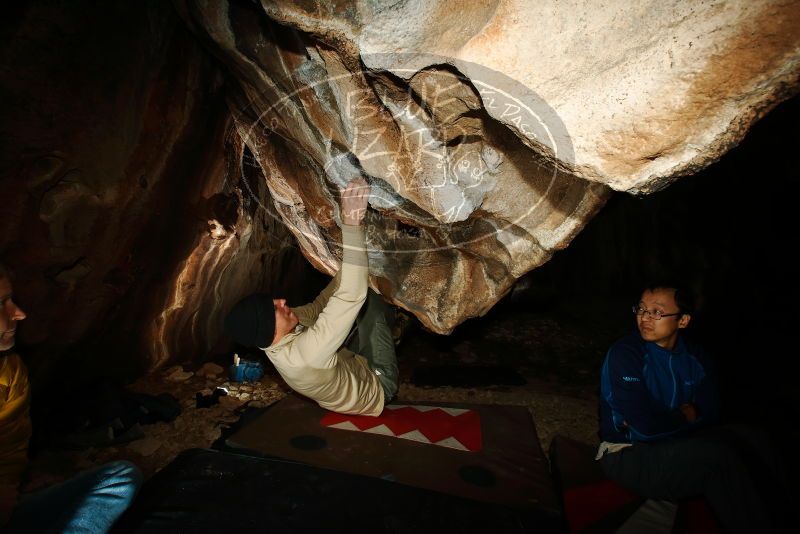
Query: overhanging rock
column 490, row 133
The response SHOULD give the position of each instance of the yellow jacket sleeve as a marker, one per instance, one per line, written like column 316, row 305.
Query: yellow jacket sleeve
column 15, row 422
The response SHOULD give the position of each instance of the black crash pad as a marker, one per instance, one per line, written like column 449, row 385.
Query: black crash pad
column 211, row 491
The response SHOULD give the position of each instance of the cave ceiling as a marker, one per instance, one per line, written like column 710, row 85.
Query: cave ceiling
column 490, row 131
column 161, row 160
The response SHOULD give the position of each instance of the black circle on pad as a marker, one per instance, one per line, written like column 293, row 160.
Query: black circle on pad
column 308, row 442
column 477, row 476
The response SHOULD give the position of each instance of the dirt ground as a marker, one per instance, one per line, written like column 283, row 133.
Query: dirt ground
column 558, row 357
column 559, row 361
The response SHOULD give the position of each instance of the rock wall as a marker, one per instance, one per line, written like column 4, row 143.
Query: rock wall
column 648, row 91
column 158, row 160
column 121, row 210
column 490, row 133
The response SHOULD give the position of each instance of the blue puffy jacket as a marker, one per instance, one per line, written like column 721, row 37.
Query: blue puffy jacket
column 645, row 385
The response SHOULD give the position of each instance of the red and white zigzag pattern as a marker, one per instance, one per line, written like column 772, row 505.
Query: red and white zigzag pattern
column 447, row 427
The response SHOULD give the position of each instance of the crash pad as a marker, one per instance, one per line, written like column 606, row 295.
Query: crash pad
column 506, row 465
column 211, row 491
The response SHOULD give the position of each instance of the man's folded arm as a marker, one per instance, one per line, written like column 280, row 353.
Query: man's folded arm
column 706, row 396
column 632, row 402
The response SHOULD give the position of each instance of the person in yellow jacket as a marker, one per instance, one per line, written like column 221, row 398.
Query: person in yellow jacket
column 88, row 502
column 306, row 343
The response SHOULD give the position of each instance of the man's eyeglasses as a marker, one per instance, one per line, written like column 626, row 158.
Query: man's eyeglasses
column 655, row 315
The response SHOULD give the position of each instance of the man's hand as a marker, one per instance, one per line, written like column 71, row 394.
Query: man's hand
column 8, row 500
column 689, row 412
column 354, row 201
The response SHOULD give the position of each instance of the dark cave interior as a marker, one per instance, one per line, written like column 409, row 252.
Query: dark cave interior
column 126, row 129
column 727, row 233
column 729, row 244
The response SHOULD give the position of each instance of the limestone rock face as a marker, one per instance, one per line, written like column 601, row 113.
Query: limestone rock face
column 490, row 131
column 647, row 91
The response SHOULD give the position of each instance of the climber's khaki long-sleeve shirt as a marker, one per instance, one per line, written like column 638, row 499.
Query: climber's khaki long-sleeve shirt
column 310, row 359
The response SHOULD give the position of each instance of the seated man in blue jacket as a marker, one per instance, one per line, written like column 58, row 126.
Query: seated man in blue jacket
column 658, row 396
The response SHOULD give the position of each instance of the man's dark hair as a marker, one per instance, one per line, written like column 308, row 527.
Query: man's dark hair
column 684, row 297
column 4, row 272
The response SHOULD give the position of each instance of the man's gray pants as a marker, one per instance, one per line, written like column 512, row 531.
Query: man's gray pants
column 374, row 342
column 734, row 467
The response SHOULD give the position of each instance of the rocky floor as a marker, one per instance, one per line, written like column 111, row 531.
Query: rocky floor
column 559, row 362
